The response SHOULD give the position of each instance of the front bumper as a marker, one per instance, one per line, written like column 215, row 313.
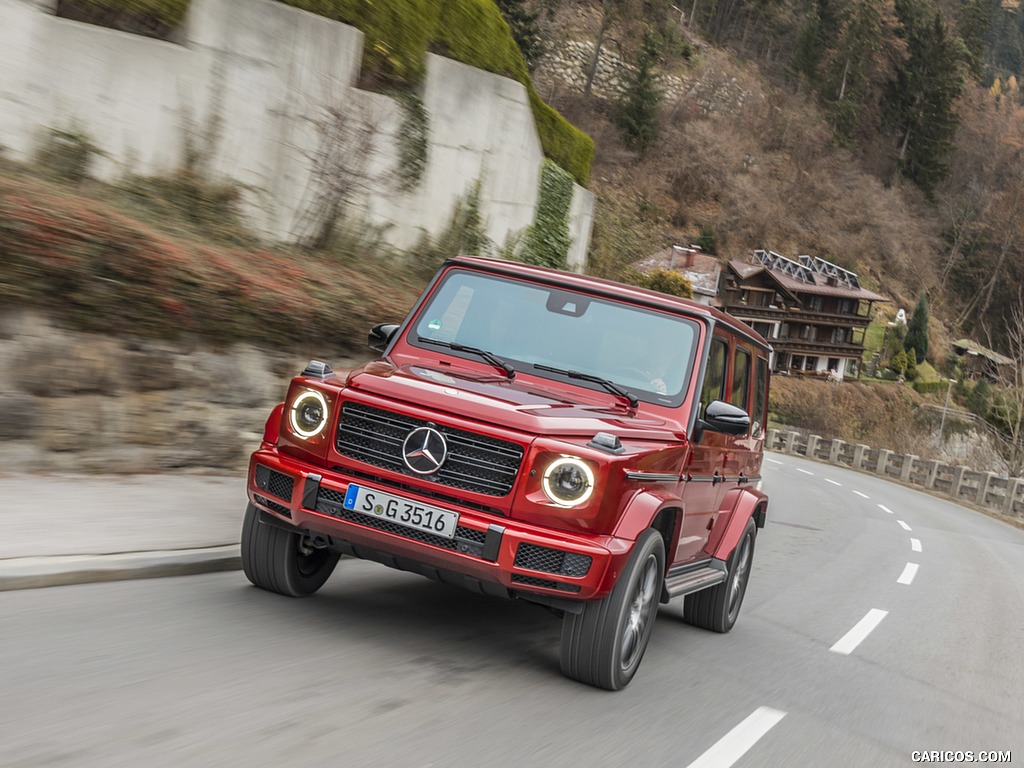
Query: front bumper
column 489, row 553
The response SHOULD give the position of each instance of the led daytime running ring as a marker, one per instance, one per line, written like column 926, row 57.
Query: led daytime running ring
column 579, row 464
column 297, row 403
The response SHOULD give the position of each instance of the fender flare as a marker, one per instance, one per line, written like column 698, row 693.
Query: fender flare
column 740, row 504
column 643, row 509
column 272, row 429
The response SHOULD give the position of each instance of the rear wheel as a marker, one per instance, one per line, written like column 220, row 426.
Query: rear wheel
column 282, row 561
column 718, row 607
column 603, row 645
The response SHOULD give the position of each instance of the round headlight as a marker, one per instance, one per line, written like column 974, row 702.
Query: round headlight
column 308, row 415
column 568, row 482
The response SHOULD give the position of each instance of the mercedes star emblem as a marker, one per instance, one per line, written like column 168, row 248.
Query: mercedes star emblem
column 424, row 450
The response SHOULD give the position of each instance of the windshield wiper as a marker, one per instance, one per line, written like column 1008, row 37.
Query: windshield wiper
column 494, row 360
column 611, row 386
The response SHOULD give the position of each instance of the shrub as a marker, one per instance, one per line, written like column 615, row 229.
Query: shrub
column 665, row 280
column 400, row 32
column 152, row 18
column 97, row 270
column 67, row 154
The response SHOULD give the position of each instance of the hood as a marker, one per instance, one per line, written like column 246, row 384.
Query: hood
column 534, row 407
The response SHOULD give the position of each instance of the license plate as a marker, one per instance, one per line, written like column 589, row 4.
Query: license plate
column 411, row 514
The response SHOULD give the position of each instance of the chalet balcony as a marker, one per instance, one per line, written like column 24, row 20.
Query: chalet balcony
column 819, row 348
column 797, row 315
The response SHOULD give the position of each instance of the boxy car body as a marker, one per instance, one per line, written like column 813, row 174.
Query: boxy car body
column 531, row 434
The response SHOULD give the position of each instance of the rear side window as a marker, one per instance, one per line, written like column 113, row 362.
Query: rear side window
column 760, row 397
column 714, row 376
column 741, row 380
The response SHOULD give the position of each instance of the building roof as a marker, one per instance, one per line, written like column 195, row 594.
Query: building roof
column 699, row 268
column 974, row 348
column 810, row 281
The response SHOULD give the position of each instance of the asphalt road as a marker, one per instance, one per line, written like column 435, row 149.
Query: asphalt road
column 843, row 656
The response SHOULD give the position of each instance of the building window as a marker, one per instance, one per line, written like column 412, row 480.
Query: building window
column 814, row 303
column 811, row 364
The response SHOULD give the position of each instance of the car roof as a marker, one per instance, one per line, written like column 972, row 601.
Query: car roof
column 611, row 289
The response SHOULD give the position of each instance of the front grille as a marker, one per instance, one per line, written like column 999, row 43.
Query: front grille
column 546, row 583
column 535, row 558
column 467, row 540
column 475, row 462
column 279, row 508
column 274, row 483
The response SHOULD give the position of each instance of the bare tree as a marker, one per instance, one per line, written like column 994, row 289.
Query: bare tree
column 341, row 169
column 1008, row 405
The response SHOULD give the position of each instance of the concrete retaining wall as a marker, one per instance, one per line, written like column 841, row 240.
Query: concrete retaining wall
column 245, row 83
column 987, row 490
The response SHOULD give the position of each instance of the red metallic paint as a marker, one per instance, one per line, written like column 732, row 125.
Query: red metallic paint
column 548, row 419
column 738, row 506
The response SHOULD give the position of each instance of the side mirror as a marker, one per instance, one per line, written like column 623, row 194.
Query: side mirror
column 380, row 335
column 727, row 419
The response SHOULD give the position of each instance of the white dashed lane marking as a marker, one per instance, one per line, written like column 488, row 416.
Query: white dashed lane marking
column 862, row 629
column 908, row 574
column 884, row 508
column 804, row 471
column 862, row 495
column 731, row 747
column 833, row 482
column 773, row 461
column 904, row 526
column 915, row 544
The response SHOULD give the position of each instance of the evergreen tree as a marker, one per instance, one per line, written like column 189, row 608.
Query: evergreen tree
column 525, row 30
column 921, row 99
column 980, row 398
column 637, row 115
column 911, row 369
column 812, row 41
column 917, row 330
column 707, row 240
column 898, row 363
column 866, row 55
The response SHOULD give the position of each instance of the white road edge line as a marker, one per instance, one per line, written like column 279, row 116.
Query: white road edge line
column 731, row 747
column 862, row 629
column 915, row 544
column 884, row 508
column 908, row 574
column 833, row 482
column 804, row 471
column 904, row 526
column 862, row 495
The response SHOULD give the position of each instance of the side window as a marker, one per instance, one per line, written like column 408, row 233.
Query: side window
column 760, row 396
column 714, row 377
column 741, row 380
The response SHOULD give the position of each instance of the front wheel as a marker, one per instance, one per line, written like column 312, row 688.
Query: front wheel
column 603, row 645
column 280, row 561
column 717, row 608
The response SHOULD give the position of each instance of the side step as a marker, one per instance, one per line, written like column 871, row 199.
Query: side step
column 693, row 578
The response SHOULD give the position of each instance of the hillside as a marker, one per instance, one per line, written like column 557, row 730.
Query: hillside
column 751, row 151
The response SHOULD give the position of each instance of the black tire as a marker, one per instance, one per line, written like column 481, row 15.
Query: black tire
column 272, row 559
column 603, row 645
column 717, row 608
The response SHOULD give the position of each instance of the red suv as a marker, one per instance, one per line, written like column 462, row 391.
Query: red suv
column 531, row 434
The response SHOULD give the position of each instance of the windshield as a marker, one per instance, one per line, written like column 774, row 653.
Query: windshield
column 647, row 352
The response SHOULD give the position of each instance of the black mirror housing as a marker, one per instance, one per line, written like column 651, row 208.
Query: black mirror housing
column 725, row 418
column 380, row 335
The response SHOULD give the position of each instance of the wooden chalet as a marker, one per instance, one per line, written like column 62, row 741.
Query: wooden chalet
column 813, row 313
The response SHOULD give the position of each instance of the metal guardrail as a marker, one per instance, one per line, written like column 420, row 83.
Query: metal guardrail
column 986, row 490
